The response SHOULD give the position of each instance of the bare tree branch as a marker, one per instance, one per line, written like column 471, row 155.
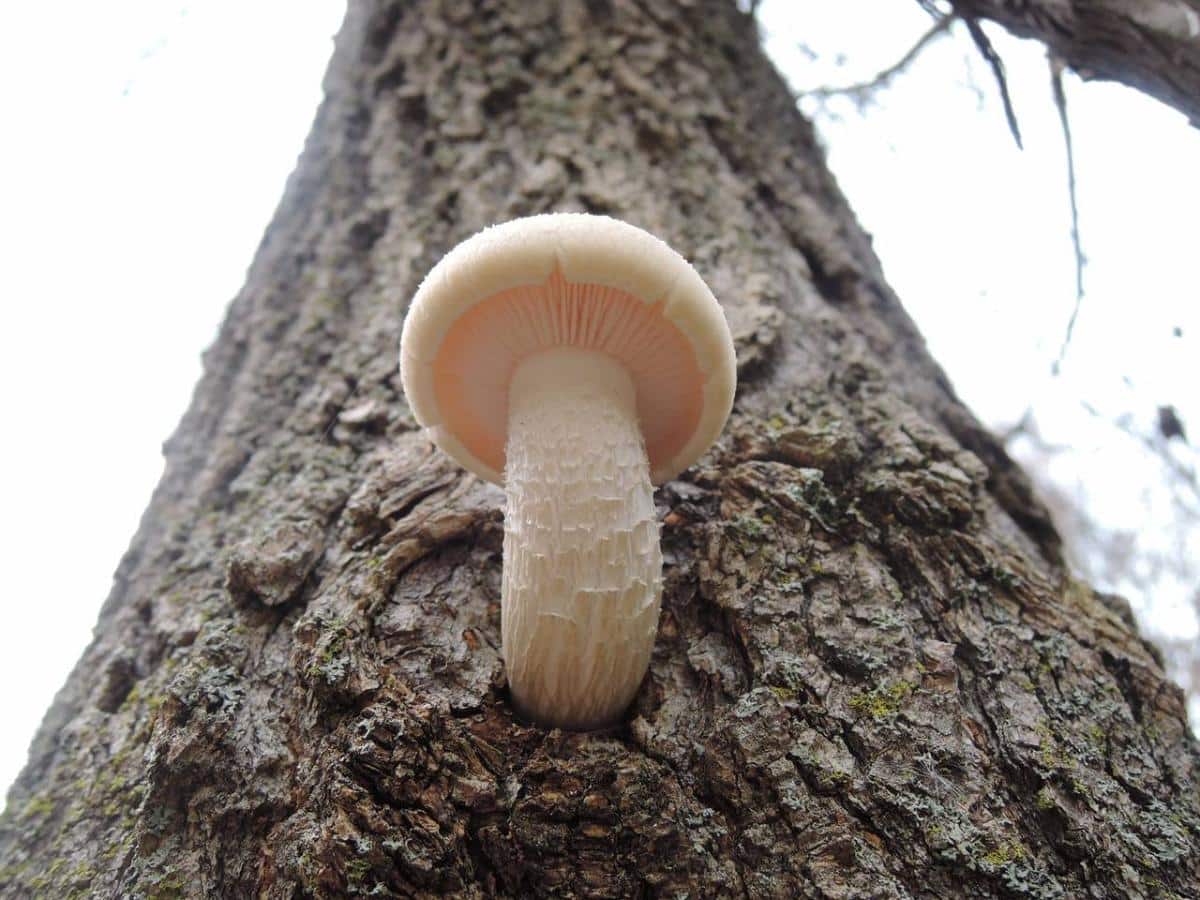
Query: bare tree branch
column 1060, row 103
column 862, row 91
column 1151, row 45
column 997, row 64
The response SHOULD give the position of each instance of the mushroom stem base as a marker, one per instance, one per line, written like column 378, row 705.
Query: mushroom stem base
column 582, row 577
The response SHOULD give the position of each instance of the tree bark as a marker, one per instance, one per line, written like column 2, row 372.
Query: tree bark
column 1151, row 45
column 873, row 677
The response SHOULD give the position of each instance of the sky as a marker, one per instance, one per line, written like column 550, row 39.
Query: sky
column 146, row 147
column 148, row 144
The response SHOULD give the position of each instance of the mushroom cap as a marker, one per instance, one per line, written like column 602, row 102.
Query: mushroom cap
column 566, row 279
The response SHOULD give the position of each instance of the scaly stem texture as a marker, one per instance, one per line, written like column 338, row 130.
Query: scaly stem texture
column 582, row 566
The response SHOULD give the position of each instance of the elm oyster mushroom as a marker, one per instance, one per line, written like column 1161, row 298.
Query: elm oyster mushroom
column 578, row 361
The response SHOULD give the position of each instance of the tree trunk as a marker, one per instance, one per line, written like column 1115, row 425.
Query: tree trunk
column 872, row 679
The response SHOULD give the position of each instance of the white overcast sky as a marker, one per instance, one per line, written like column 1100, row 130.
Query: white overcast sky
column 147, row 142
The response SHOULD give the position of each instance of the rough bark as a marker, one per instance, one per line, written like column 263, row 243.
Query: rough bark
column 872, row 678
column 1152, row 45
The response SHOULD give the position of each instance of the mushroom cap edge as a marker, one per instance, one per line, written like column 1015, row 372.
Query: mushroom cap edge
column 585, row 248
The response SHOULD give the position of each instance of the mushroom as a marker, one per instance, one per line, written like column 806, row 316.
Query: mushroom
column 578, row 361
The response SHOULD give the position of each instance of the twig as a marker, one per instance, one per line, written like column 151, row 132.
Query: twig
column 988, row 52
column 1024, row 425
column 1060, row 102
column 1185, row 474
column 883, row 78
column 1027, row 426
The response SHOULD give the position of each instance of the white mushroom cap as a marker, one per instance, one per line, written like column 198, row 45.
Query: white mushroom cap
column 566, row 279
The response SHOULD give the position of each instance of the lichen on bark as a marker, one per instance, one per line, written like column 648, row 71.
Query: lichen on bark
column 873, row 677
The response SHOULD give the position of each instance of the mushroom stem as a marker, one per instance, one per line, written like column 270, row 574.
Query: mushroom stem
column 582, row 566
